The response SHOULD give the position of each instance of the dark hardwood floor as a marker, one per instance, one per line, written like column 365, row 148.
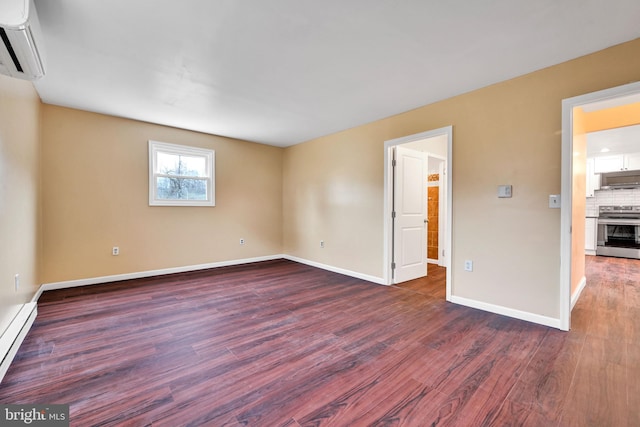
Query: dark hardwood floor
column 283, row 344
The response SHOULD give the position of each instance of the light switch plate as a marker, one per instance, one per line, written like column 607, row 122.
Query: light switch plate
column 504, row 191
column 554, row 201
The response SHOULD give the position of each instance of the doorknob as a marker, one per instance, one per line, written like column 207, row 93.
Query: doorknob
column 426, row 221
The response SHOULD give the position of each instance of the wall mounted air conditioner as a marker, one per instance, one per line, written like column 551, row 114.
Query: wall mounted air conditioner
column 20, row 45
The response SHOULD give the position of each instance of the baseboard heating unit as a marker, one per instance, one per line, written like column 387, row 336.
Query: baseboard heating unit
column 14, row 335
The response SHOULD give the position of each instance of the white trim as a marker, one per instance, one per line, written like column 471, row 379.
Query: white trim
column 368, row 278
column 386, row 220
column 387, row 208
column 209, row 155
column 578, row 292
column 38, row 294
column 568, row 105
column 151, row 273
column 14, row 335
column 432, row 261
column 443, row 219
column 509, row 312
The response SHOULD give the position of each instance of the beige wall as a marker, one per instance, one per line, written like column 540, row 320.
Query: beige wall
column 333, row 191
column 508, row 133
column 94, row 190
column 19, row 186
column 95, row 196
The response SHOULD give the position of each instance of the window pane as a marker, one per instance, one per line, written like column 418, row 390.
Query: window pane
column 181, row 189
column 181, row 175
column 176, row 164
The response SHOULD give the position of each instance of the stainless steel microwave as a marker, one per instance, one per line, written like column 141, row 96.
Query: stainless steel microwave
column 624, row 179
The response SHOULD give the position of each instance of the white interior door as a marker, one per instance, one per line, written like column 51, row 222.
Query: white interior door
column 410, row 207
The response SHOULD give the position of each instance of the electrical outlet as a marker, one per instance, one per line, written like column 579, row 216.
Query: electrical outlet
column 242, row 241
column 16, row 279
column 322, row 243
column 468, row 265
column 115, row 251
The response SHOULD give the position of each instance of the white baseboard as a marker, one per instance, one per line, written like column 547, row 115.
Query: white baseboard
column 578, row 292
column 505, row 311
column 38, row 293
column 149, row 273
column 509, row 312
column 14, row 335
column 368, row 278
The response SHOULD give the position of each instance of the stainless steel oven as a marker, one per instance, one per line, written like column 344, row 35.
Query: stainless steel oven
column 619, row 231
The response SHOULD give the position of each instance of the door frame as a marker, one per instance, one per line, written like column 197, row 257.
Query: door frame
column 442, row 213
column 566, row 208
column 388, row 200
column 442, row 209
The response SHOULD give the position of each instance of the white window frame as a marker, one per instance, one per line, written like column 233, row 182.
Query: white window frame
column 156, row 147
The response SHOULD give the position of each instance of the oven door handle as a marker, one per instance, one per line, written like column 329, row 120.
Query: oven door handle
column 611, row 221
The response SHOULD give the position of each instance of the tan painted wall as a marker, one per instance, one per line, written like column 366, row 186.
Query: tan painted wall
column 19, row 186
column 94, row 190
column 333, row 192
column 95, row 196
column 624, row 115
column 508, row 133
column 579, row 195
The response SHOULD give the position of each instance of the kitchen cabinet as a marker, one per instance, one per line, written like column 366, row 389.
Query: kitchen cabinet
column 620, row 162
column 608, row 164
column 593, row 179
column 590, row 235
column 633, row 161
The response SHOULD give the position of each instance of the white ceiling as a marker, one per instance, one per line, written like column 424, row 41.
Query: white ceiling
column 281, row 72
column 622, row 140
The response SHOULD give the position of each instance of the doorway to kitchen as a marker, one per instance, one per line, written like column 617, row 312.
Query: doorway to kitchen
column 422, row 171
column 576, row 185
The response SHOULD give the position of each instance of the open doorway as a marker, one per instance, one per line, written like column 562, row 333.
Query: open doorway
column 433, row 150
column 575, row 186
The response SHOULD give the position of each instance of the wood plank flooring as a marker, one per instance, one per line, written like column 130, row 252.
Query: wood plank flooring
column 283, row 344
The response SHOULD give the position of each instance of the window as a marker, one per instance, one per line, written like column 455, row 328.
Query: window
column 181, row 175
